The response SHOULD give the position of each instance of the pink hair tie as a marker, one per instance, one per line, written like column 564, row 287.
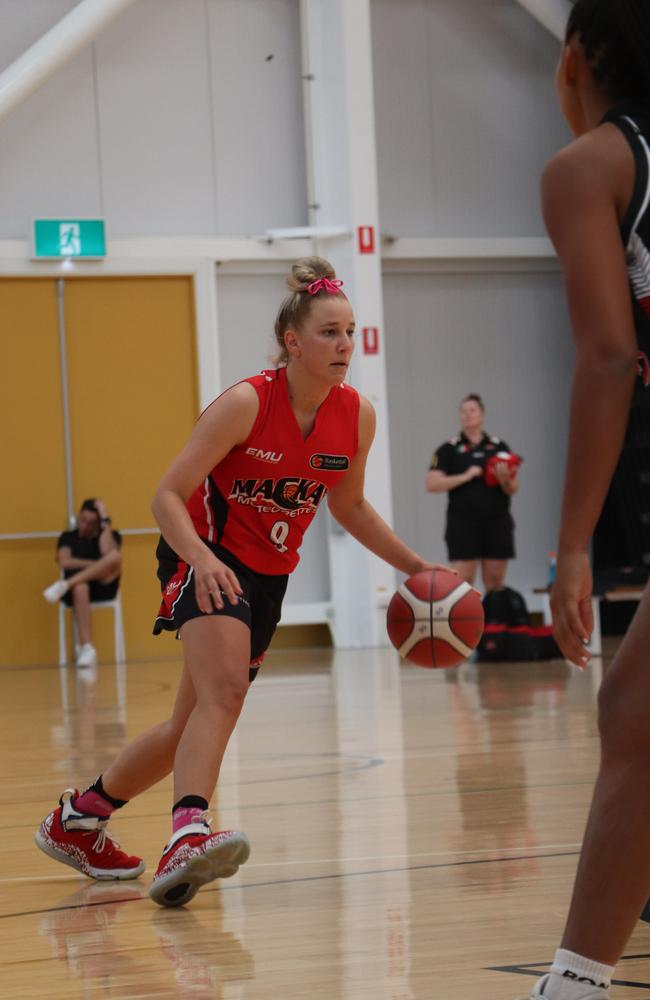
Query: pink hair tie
column 331, row 286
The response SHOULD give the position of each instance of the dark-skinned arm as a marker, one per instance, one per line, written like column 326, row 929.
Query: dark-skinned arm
column 581, row 218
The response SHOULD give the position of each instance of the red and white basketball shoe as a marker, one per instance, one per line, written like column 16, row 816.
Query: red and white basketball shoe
column 81, row 841
column 194, row 856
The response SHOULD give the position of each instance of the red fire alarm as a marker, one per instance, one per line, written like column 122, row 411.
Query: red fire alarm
column 370, row 339
column 366, row 239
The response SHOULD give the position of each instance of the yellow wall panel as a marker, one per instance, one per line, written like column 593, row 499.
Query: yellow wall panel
column 133, row 402
column 133, row 397
column 29, row 632
column 33, row 495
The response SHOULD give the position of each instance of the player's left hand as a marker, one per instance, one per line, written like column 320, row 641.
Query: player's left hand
column 571, row 606
column 100, row 507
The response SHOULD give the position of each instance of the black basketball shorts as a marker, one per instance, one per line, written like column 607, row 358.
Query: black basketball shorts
column 259, row 606
column 470, row 538
column 98, row 591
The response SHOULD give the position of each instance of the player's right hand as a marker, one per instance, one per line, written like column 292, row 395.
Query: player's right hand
column 101, row 509
column 421, row 565
column 213, row 581
column 571, row 606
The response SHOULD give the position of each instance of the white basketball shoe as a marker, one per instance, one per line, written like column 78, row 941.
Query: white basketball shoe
column 539, row 992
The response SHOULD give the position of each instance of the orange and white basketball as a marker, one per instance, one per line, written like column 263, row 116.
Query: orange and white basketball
column 435, row 619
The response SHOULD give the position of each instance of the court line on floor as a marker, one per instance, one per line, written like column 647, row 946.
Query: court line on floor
column 536, row 969
column 417, row 854
column 403, row 869
column 354, row 763
column 224, row 808
column 452, row 790
column 316, row 878
column 562, row 848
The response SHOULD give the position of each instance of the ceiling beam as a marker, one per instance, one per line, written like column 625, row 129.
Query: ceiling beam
column 552, row 14
column 54, row 49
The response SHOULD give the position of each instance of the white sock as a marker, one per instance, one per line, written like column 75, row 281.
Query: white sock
column 573, row 977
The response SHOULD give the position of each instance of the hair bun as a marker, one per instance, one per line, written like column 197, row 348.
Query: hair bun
column 309, row 269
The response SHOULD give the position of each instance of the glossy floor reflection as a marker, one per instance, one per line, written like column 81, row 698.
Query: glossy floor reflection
column 414, row 834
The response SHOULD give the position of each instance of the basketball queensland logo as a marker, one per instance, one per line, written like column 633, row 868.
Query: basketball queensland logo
column 330, row 463
column 291, row 495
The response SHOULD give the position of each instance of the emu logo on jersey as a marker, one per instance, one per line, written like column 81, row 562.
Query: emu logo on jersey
column 330, row 463
column 269, row 496
column 264, row 456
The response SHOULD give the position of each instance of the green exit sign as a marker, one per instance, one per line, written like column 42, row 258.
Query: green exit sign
column 69, row 239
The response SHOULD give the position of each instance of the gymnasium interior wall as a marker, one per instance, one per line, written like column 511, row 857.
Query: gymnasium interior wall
column 466, row 119
column 184, row 118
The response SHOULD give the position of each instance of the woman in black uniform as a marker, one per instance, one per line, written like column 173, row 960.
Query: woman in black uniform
column 479, row 523
column 596, row 199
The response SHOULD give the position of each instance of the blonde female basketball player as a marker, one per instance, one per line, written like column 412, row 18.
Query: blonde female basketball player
column 596, row 195
column 232, row 510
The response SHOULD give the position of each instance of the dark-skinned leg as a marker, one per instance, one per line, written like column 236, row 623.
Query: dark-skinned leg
column 613, row 880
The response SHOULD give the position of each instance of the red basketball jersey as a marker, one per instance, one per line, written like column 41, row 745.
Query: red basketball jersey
column 259, row 501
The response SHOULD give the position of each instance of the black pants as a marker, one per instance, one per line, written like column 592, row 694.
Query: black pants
column 470, row 538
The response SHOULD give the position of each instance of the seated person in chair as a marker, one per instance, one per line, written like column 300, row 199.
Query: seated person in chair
column 91, row 562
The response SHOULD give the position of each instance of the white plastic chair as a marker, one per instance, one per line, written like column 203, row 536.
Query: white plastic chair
column 118, row 628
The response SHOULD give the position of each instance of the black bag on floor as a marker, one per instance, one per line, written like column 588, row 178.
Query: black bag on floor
column 508, row 635
column 505, row 607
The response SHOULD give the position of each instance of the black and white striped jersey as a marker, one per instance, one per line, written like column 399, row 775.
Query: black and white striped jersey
column 634, row 123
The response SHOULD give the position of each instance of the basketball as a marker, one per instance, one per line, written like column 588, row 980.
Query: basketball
column 435, row 619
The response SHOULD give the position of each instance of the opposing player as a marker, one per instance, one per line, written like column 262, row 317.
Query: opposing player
column 233, row 509
column 596, row 195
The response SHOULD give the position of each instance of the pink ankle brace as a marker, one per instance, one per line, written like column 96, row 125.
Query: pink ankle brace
column 184, row 816
column 92, row 803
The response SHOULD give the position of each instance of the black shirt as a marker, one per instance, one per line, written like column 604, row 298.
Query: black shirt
column 83, row 548
column 475, row 498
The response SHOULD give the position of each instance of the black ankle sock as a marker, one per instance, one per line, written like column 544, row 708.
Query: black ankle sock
column 191, row 802
column 98, row 787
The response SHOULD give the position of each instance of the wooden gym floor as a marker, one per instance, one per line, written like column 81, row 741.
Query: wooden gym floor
column 414, row 834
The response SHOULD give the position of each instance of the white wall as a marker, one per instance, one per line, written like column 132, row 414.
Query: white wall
column 466, row 119
column 49, row 162
column 466, row 116
column 184, row 118
column 177, row 122
column 504, row 336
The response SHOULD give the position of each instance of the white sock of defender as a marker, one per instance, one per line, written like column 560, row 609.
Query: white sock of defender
column 573, row 977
